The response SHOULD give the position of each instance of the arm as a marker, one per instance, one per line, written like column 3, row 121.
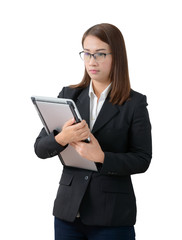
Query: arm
column 49, row 145
column 46, row 146
column 139, row 154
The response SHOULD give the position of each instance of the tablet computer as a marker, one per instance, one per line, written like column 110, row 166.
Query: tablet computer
column 54, row 112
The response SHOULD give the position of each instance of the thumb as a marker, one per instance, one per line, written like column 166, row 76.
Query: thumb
column 92, row 138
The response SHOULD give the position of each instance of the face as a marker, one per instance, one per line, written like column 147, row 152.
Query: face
column 98, row 71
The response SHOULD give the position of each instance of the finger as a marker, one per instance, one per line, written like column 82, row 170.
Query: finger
column 69, row 122
column 92, row 138
column 73, row 144
column 82, row 131
column 82, row 135
column 80, row 125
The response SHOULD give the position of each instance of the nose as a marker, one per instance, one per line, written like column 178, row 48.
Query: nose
column 92, row 61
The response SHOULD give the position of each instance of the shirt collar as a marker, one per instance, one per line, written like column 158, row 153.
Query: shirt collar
column 103, row 94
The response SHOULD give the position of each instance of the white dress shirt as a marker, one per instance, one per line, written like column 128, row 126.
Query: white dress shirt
column 95, row 104
column 95, row 107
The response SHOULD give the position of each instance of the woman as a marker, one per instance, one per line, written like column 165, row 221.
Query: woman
column 101, row 205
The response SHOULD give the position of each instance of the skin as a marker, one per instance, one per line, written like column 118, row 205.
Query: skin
column 99, row 73
column 100, row 78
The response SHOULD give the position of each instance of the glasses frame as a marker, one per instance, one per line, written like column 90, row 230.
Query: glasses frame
column 93, row 55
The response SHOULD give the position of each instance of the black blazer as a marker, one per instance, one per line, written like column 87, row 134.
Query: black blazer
column 106, row 197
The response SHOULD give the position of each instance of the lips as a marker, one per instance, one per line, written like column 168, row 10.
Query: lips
column 93, row 71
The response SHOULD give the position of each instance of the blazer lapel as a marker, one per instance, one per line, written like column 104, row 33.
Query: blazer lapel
column 83, row 105
column 107, row 112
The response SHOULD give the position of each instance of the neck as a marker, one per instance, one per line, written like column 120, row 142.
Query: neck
column 99, row 87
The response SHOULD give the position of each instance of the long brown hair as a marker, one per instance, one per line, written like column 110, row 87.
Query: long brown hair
column 119, row 74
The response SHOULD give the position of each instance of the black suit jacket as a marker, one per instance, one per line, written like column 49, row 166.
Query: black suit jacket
column 106, row 197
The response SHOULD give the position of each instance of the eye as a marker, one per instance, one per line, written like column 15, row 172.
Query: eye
column 87, row 54
column 101, row 54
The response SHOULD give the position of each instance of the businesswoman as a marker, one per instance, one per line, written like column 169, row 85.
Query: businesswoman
column 101, row 205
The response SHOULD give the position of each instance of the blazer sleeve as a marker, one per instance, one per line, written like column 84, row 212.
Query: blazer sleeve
column 45, row 145
column 137, row 158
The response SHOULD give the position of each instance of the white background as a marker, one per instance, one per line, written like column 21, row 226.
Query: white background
column 39, row 45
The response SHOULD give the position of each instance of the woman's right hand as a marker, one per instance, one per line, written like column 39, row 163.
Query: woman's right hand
column 73, row 132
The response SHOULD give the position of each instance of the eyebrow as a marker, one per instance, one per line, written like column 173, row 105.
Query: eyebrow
column 101, row 49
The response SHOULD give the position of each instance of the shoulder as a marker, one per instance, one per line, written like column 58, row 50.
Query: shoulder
column 68, row 92
column 136, row 98
column 135, row 95
column 135, row 101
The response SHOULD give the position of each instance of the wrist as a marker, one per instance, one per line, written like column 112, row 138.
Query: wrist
column 60, row 139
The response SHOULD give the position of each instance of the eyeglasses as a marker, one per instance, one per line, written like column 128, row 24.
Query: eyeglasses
column 99, row 57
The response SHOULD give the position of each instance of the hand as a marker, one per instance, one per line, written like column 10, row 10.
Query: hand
column 90, row 151
column 73, row 132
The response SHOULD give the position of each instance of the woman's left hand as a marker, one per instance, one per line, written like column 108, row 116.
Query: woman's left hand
column 90, row 151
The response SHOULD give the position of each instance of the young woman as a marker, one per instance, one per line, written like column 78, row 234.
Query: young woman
column 101, row 205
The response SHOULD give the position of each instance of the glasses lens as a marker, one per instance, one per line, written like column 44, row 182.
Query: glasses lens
column 85, row 56
column 99, row 57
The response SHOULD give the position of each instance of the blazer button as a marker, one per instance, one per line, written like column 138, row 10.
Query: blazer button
column 86, row 178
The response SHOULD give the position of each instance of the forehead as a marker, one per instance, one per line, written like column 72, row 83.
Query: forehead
column 92, row 43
